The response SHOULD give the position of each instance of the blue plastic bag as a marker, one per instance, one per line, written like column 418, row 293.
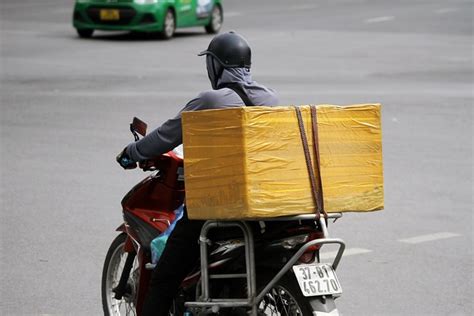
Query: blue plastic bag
column 158, row 244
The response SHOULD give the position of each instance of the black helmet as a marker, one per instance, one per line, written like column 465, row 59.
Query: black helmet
column 230, row 49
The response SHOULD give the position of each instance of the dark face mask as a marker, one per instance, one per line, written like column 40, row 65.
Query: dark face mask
column 214, row 70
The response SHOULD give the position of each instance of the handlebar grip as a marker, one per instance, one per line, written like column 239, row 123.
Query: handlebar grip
column 126, row 162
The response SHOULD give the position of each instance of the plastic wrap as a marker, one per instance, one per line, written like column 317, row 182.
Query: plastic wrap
column 248, row 162
column 157, row 245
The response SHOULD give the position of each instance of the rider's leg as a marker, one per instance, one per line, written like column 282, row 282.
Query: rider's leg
column 178, row 258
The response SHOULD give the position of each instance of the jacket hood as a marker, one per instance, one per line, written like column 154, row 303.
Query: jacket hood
column 235, row 75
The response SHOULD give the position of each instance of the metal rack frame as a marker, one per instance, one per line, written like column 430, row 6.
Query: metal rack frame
column 252, row 297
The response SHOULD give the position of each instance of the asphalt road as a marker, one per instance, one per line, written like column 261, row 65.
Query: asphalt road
column 66, row 104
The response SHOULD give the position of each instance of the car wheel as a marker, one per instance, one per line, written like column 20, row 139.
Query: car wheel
column 85, row 33
column 169, row 25
column 215, row 23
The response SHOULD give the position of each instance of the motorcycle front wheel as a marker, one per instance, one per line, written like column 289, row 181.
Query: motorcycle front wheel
column 113, row 267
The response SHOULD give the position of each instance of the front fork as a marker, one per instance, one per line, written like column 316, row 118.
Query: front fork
column 123, row 287
column 133, row 249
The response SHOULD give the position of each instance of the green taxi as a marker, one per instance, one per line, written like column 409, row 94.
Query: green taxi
column 152, row 16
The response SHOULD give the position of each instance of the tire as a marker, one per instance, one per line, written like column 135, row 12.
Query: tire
column 215, row 23
column 285, row 298
column 111, row 273
column 85, row 33
column 169, row 25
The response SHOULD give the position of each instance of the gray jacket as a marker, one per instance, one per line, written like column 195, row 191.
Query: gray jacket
column 169, row 135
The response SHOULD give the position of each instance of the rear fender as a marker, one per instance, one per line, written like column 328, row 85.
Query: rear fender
column 323, row 306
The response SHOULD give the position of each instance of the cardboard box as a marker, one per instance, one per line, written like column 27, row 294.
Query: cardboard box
column 248, row 162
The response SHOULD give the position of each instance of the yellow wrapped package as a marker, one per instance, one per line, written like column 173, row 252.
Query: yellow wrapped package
column 249, row 163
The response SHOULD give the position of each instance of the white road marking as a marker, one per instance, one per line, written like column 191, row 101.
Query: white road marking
column 232, row 14
column 445, row 10
column 430, row 237
column 304, row 7
column 380, row 19
column 347, row 252
column 457, row 59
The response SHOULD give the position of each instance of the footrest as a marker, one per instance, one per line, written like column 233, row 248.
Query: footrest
column 220, row 303
column 228, row 276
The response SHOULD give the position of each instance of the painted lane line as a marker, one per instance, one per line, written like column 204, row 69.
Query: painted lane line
column 430, row 237
column 232, row 14
column 304, row 7
column 445, row 10
column 380, row 19
column 347, row 252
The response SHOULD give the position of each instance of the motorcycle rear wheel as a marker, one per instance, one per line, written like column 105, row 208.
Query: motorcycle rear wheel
column 113, row 267
column 285, row 299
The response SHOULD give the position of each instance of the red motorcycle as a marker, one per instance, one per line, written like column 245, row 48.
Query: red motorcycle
column 256, row 267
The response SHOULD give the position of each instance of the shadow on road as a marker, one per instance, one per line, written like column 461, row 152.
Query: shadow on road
column 140, row 36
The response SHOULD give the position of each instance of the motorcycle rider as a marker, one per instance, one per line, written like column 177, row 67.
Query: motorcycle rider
column 228, row 60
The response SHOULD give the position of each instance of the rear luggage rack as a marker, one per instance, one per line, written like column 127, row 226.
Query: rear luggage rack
column 252, row 299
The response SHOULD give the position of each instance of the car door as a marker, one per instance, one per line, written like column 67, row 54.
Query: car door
column 185, row 10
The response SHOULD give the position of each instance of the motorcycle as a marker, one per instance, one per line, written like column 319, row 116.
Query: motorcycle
column 269, row 267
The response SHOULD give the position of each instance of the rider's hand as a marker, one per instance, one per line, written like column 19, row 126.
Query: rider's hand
column 124, row 160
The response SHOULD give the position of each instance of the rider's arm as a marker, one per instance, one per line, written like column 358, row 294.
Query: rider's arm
column 169, row 135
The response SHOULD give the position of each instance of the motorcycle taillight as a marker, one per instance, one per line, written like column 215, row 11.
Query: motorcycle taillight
column 309, row 254
column 307, row 257
column 313, row 236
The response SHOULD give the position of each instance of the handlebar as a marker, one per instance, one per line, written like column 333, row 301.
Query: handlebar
column 160, row 162
column 148, row 165
column 139, row 127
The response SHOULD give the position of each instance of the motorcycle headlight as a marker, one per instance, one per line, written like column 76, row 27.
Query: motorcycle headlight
column 145, row 1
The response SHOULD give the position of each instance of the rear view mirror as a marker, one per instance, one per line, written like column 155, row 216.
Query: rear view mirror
column 138, row 126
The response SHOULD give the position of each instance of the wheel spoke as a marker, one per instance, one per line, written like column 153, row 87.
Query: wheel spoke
column 216, row 19
column 279, row 302
column 169, row 24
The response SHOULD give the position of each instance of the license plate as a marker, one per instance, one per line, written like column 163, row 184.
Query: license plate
column 317, row 279
column 109, row 14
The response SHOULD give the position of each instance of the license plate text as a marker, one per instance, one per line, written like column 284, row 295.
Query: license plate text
column 109, row 14
column 317, row 279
